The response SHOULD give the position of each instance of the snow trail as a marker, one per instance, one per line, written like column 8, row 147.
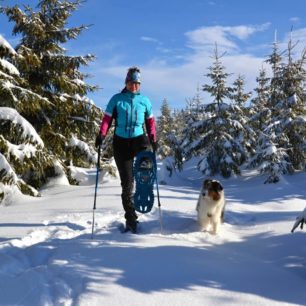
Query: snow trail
column 48, row 258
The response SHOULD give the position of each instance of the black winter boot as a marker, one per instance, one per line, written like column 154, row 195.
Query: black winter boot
column 131, row 226
column 130, row 214
column 128, row 206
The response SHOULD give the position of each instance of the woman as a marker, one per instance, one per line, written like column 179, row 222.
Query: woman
column 131, row 111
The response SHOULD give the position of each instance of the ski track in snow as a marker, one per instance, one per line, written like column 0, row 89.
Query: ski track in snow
column 57, row 262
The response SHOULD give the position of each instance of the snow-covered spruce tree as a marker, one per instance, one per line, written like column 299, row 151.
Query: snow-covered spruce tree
column 271, row 158
column 260, row 113
column 281, row 139
column 195, row 107
column 222, row 139
column 239, row 96
column 275, row 60
column 292, row 108
column 287, row 105
column 165, row 127
column 247, row 136
column 192, row 115
column 69, row 123
column 14, row 90
column 260, row 117
column 169, row 126
column 175, row 138
column 24, row 161
column 267, row 157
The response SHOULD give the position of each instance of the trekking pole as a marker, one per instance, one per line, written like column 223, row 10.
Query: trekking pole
column 158, row 199
column 96, row 189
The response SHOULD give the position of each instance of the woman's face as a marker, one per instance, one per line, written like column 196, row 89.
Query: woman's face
column 133, row 87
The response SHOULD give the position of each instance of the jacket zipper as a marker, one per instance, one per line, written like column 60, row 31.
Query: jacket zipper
column 131, row 124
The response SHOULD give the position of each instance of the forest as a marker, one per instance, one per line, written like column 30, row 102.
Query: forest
column 48, row 123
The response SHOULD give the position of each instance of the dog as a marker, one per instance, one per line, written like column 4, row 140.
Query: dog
column 211, row 205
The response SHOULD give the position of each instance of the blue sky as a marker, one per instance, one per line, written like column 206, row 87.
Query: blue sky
column 172, row 41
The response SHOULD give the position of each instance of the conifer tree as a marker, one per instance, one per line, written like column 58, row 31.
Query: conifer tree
column 239, row 96
column 193, row 114
column 176, row 137
column 246, row 136
column 24, row 162
column 195, row 106
column 260, row 110
column 13, row 87
column 260, row 119
column 168, row 131
column 292, row 108
column 269, row 158
column 164, row 129
column 68, row 124
column 275, row 60
column 281, row 128
column 221, row 144
column 218, row 89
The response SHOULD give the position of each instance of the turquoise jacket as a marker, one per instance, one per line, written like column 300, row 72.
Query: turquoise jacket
column 131, row 111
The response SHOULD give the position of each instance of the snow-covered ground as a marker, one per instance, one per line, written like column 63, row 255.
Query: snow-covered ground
column 47, row 256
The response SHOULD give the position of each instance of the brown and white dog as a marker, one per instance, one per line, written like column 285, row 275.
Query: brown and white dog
column 211, row 205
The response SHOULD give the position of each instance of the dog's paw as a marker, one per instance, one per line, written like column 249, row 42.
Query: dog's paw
column 204, row 229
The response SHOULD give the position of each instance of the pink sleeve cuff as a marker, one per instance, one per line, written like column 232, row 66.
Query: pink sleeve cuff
column 105, row 125
column 150, row 125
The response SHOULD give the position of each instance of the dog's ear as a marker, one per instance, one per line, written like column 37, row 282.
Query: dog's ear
column 206, row 183
column 220, row 187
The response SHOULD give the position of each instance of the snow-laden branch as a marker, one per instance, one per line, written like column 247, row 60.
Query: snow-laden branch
column 8, row 171
column 9, row 67
column 28, row 131
column 4, row 43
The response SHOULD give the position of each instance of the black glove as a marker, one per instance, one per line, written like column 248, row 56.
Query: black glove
column 154, row 145
column 99, row 140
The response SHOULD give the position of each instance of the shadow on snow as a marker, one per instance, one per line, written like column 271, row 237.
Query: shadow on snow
column 264, row 265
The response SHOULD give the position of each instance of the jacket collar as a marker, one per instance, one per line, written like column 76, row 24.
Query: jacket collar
column 125, row 91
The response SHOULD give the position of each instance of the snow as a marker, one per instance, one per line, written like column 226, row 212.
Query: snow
column 47, row 256
column 9, row 67
column 83, row 146
column 10, row 192
column 4, row 43
column 4, row 165
column 21, row 151
column 270, row 150
column 293, row 99
column 28, row 131
column 79, row 82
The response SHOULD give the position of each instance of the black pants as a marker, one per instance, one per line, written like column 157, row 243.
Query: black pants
column 125, row 150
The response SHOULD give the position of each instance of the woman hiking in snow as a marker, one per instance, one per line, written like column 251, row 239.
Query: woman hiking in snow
column 131, row 111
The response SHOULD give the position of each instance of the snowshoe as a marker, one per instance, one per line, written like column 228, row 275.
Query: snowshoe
column 145, row 175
